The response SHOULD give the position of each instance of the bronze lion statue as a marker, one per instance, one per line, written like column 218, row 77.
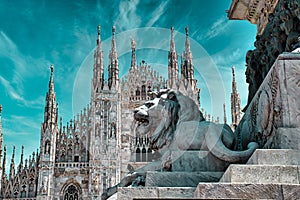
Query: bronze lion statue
column 173, row 122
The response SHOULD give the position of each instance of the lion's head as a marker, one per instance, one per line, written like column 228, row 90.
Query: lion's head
column 159, row 117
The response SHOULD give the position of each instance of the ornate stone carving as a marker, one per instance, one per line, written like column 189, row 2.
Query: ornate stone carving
column 174, row 123
column 276, row 104
column 281, row 34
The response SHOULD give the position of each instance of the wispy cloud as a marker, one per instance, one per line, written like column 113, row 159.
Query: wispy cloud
column 157, row 13
column 228, row 56
column 15, row 95
column 21, row 70
column 25, row 122
column 217, row 28
column 128, row 18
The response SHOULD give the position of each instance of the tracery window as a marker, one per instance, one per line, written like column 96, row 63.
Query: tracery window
column 71, row 193
column 23, row 194
column 143, row 91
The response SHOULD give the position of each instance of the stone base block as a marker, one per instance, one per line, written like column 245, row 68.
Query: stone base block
column 180, row 179
column 126, row 193
column 261, row 174
column 284, row 138
column 275, row 157
column 247, row 191
column 193, row 161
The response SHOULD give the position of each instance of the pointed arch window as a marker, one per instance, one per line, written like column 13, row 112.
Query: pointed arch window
column 71, row 193
column 137, row 92
column 149, row 154
column 144, row 159
column 69, row 154
column 138, row 155
column 47, row 147
column 143, row 91
column 23, row 194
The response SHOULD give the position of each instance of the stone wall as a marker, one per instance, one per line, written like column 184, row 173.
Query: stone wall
column 276, row 103
column 280, row 35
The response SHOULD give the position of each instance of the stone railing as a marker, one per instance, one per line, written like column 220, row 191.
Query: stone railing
column 72, row 164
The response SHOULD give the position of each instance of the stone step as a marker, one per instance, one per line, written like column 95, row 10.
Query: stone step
column 127, row 193
column 275, row 157
column 261, row 174
column 247, row 191
column 180, row 179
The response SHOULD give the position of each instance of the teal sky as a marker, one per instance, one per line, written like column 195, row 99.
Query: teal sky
column 36, row 34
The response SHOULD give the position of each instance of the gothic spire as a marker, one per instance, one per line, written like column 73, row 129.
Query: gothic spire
column 113, row 41
column 113, row 68
column 50, row 114
column 234, row 88
column 172, row 42
column 12, row 165
column 1, row 136
column 173, row 63
column 1, row 122
column 98, row 77
column 99, row 37
column 133, row 54
column 51, row 82
column 4, row 163
column 224, row 109
column 187, row 70
column 21, row 160
column 188, row 53
column 235, row 103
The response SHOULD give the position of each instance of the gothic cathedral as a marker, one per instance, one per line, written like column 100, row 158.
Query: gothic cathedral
column 99, row 145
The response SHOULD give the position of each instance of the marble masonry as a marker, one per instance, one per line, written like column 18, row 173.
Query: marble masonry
column 272, row 172
column 100, row 145
column 271, row 120
column 145, row 137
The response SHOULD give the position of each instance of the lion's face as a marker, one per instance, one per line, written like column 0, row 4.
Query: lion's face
column 148, row 116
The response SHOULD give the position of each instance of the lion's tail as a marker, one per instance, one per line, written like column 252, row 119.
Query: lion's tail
column 218, row 149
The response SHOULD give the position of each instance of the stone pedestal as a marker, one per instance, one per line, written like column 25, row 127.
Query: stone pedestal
column 195, row 161
column 272, row 119
column 284, row 138
column 180, row 179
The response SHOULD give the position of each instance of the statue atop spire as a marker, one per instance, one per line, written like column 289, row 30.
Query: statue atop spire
column 132, row 43
column 51, row 82
column 99, row 37
column 133, row 54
